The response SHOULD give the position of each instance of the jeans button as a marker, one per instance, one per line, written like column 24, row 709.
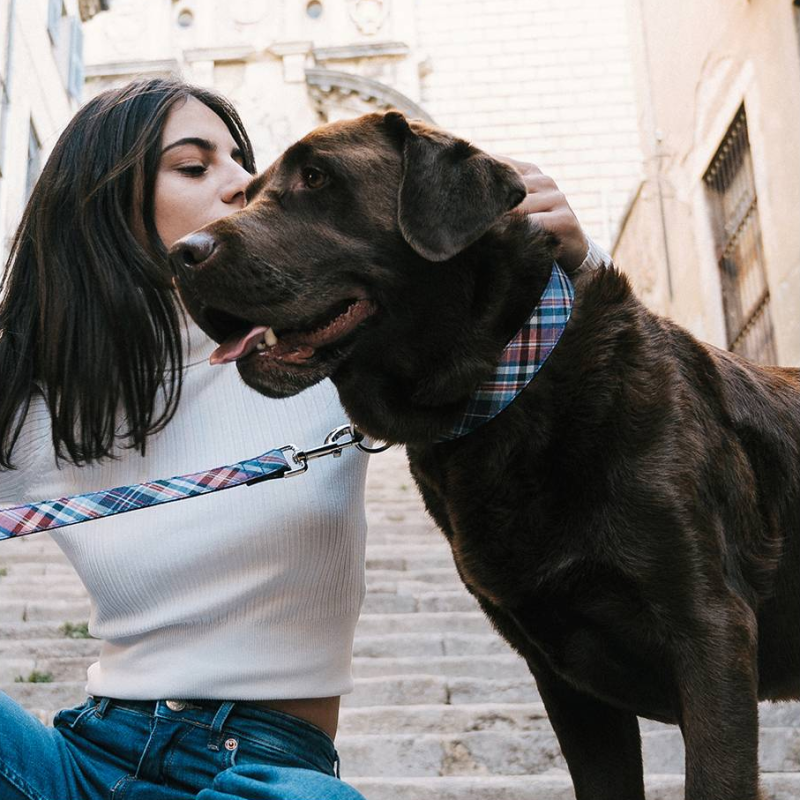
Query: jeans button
column 176, row 705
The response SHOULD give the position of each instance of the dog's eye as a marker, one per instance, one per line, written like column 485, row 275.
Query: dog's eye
column 314, row 178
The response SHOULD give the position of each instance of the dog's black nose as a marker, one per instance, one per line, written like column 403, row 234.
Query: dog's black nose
column 193, row 250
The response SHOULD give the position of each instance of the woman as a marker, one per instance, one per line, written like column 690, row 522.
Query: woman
column 227, row 622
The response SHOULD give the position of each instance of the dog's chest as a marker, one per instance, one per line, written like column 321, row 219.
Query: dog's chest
column 491, row 528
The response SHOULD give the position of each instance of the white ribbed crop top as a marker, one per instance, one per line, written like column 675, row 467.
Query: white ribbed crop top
column 247, row 594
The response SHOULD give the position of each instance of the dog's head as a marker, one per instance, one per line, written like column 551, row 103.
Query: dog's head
column 333, row 242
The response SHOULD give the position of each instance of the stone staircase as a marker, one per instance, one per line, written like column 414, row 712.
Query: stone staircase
column 442, row 707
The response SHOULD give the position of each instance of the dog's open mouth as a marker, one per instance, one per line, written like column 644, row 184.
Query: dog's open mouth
column 241, row 339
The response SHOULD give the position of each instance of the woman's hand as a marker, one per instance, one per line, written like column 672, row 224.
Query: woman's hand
column 547, row 205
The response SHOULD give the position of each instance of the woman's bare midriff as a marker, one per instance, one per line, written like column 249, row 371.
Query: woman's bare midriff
column 323, row 712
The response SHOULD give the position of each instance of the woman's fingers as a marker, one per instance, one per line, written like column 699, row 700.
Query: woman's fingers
column 539, row 201
column 547, row 206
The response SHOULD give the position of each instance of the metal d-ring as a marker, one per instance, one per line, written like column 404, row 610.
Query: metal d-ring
column 359, row 440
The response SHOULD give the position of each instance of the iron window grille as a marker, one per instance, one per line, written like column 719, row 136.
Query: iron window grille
column 740, row 254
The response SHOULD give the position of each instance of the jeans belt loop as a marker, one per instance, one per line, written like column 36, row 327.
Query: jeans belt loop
column 102, row 707
column 218, row 722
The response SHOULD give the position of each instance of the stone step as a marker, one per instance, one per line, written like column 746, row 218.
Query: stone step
column 432, row 575
column 13, row 631
column 42, row 699
column 424, row 645
column 22, row 572
column 499, row 716
column 409, row 557
column 41, row 610
column 443, row 691
column 555, row 785
column 400, row 512
column 44, row 588
column 497, row 667
column 524, row 752
column 403, row 539
column 453, row 621
column 48, row 555
column 425, row 601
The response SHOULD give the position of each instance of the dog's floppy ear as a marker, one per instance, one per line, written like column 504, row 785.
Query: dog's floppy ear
column 451, row 193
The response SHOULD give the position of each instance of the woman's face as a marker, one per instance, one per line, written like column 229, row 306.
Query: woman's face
column 200, row 175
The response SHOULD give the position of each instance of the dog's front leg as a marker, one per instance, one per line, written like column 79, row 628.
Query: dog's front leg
column 718, row 688
column 600, row 743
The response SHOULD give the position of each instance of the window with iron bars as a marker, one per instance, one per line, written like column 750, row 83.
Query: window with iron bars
column 731, row 188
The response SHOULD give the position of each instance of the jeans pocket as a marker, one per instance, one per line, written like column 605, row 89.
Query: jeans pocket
column 249, row 751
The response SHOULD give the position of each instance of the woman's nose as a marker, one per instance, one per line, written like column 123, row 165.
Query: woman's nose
column 235, row 190
column 192, row 250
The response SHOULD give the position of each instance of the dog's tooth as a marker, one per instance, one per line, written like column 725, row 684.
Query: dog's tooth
column 270, row 338
column 261, row 346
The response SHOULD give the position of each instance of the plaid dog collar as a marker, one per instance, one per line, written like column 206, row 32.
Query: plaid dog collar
column 523, row 357
column 50, row 514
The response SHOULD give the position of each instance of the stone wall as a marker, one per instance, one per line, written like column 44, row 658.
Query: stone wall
column 548, row 81
column 696, row 66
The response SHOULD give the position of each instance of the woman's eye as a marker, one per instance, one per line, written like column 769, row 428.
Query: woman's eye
column 195, row 170
column 313, row 178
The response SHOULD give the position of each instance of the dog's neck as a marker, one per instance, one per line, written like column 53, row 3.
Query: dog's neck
column 412, row 382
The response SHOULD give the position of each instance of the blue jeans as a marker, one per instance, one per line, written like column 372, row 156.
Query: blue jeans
column 142, row 750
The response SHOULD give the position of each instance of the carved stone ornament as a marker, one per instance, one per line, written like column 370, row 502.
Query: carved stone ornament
column 342, row 95
column 125, row 27
column 368, row 15
column 248, row 12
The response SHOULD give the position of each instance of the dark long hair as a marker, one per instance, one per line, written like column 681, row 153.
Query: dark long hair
column 87, row 311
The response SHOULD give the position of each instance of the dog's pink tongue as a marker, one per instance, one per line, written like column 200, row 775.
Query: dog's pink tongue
column 238, row 346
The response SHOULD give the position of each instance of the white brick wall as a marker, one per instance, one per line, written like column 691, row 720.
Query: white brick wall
column 542, row 80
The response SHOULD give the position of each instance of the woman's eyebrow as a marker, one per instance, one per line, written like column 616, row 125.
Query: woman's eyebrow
column 203, row 144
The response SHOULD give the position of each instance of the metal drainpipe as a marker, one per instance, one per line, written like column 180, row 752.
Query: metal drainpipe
column 659, row 154
column 7, row 86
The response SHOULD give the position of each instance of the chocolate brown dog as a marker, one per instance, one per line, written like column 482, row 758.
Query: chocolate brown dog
column 630, row 523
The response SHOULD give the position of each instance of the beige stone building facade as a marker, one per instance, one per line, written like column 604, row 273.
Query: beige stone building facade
column 712, row 236
column 41, row 87
column 548, row 81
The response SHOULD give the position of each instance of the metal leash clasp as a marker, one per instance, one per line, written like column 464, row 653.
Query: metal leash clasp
column 333, row 446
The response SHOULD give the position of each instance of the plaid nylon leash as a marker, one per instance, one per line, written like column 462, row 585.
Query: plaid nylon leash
column 50, row 514
column 523, row 357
